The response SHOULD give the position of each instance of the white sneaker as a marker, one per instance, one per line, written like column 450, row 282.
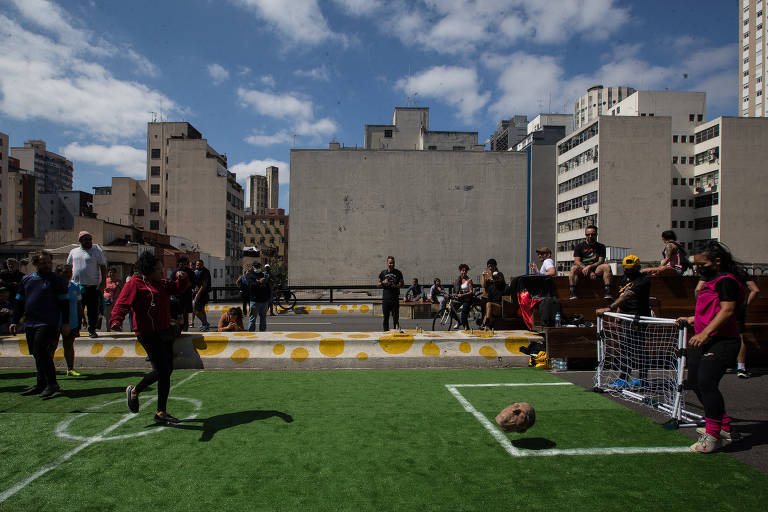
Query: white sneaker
column 707, row 444
column 726, row 437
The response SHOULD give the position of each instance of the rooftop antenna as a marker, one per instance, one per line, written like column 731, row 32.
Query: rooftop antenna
column 294, row 139
column 154, row 116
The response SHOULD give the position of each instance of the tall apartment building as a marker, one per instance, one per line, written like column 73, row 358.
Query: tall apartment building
column 268, row 232
column 630, row 172
column 729, row 186
column 4, row 149
column 752, row 60
column 509, row 133
column 20, row 187
column 273, row 187
column 192, row 194
column 53, row 172
column 256, row 194
column 433, row 199
column 597, row 101
column 124, row 202
column 58, row 211
column 540, row 121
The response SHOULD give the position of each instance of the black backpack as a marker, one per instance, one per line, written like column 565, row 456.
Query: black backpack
column 548, row 308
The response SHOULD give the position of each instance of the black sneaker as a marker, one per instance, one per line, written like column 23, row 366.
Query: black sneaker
column 34, row 390
column 48, row 391
column 133, row 403
column 743, row 374
column 167, row 419
column 92, row 334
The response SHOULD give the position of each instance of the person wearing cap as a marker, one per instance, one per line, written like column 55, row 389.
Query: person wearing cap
column 547, row 263
column 89, row 270
column 634, row 299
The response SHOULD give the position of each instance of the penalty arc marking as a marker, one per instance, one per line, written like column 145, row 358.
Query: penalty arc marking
column 505, row 443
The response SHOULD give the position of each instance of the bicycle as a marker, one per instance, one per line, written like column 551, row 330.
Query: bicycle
column 451, row 312
column 285, row 299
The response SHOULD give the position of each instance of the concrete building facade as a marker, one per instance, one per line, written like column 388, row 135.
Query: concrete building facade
column 256, row 194
column 269, row 233
column 21, row 189
column 53, row 172
column 4, row 198
column 432, row 210
column 60, row 210
column 540, row 121
column 410, row 130
column 752, row 58
column 596, row 102
column 509, row 133
column 192, row 194
column 124, row 202
column 273, row 187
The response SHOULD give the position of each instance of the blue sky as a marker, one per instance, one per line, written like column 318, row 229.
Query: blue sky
column 258, row 76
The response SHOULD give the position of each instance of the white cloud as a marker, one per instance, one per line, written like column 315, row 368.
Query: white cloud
column 262, row 139
column 281, row 106
column 143, row 65
column 245, row 169
column 299, row 21
column 320, row 73
column 268, row 80
column 126, row 160
column 458, row 87
column 317, row 128
column 359, row 7
column 55, row 77
column 243, row 70
column 217, row 73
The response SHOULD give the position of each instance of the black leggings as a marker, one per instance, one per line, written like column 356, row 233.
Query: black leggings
column 40, row 341
column 92, row 305
column 706, row 366
column 159, row 347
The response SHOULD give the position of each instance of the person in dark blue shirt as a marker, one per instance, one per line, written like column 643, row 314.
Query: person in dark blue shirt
column 41, row 299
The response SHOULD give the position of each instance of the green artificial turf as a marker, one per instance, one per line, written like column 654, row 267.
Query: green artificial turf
column 349, row 440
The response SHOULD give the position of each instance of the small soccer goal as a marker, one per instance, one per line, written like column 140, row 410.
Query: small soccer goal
column 642, row 359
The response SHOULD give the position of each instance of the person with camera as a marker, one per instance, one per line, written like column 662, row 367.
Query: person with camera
column 390, row 281
column 148, row 297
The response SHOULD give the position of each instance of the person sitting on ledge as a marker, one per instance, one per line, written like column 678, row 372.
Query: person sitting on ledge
column 414, row 293
column 547, row 264
column 674, row 257
column 589, row 261
column 231, row 320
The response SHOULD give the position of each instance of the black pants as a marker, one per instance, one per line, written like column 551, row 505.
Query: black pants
column 391, row 307
column 466, row 305
column 41, row 340
column 706, row 366
column 91, row 301
column 159, row 347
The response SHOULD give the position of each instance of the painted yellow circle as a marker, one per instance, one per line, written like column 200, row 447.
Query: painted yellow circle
column 343, row 307
column 364, row 309
column 513, row 344
column 58, row 355
column 278, row 349
column 331, row 347
column 465, row 347
column 139, row 349
column 244, row 334
column 23, row 348
column 210, row 345
column 240, row 355
column 113, row 354
column 299, row 354
column 488, row 352
column 330, row 311
column 96, row 348
column 302, row 335
column 359, row 336
column 430, row 349
column 396, row 343
column 362, row 356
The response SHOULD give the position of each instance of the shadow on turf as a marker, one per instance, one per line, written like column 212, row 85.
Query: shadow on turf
column 534, row 443
column 210, row 426
column 754, row 433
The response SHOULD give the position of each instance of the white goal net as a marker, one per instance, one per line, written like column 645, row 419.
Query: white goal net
column 642, row 359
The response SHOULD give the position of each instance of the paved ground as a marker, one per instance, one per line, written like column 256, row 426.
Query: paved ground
column 746, row 401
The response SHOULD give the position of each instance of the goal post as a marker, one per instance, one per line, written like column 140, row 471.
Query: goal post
column 642, row 359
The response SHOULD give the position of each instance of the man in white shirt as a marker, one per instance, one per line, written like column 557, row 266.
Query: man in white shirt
column 89, row 270
column 547, row 265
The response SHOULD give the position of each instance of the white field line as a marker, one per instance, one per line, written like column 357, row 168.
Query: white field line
column 505, row 443
column 64, row 458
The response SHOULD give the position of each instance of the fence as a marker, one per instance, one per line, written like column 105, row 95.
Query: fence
column 318, row 292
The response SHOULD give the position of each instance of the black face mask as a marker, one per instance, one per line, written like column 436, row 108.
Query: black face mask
column 631, row 273
column 707, row 272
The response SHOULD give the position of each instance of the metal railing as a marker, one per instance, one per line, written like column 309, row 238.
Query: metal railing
column 318, row 293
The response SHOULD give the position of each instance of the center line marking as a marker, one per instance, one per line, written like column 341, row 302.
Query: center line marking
column 64, row 458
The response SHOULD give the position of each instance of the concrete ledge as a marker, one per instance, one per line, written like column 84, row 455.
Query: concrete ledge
column 313, row 309
column 297, row 350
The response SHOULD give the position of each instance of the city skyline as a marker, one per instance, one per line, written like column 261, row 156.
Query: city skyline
column 258, row 76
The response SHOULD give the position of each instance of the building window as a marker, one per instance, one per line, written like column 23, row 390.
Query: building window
column 154, row 170
column 388, row 133
column 700, row 117
column 690, row 226
column 674, row 223
column 458, row 148
column 140, row 212
column 674, row 138
column 692, row 117
column 674, row 159
column 154, row 225
column 154, row 207
column 674, row 202
column 432, row 148
column 155, row 153
column 154, row 189
column 674, row 181
column 690, row 181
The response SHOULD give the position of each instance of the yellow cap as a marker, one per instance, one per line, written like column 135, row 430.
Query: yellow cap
column 630, row 261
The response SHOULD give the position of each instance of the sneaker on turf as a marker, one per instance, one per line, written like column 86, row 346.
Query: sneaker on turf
column 619, row 383
column 133, row 403
column 73, row 373
column 167, row 419
column 34, row 390
column 48, row 391
column 743, row 374
column 726, row 437
column 707, row 444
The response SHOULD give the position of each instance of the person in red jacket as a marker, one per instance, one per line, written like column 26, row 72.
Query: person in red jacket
column 148, row 296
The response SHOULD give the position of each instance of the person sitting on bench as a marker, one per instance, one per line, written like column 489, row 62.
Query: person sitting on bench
column 547, row 264
column 675, row 260
column 589, row 261
column 414, row 293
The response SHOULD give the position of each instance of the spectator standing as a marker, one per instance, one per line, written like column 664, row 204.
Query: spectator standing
column 148, row 296
column 75, row 314
column 464, row 290
column 185, row 299
column 112, row 289
column 231, row 320
column 268, row 275
column 11, row 276
column 258, row 289
column 547, row 263
column 589, row 261
column 493, row 284
column 42, row 300
column 240, row 283
column 89, row 270
column 741, row 317
column 201, row 293
column 390, row 281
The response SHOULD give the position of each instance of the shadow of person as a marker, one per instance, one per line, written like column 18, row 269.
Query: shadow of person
column 219, row 422
column 533, row 443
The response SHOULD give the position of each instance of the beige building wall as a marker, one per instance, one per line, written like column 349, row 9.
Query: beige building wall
column 256, row 193
column 752, row 58
column 596, row 102
column 124, row 202
column 410, row 130
column 432, row 210
column 103, row 232
column 273, row 187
